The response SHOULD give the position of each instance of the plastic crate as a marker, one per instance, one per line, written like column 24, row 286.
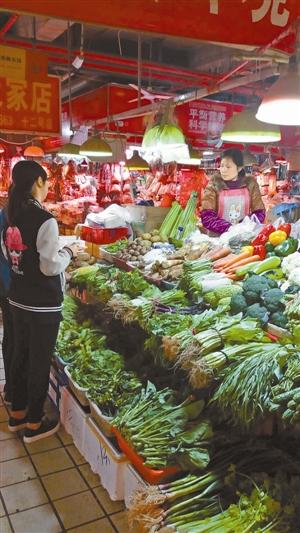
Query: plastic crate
column 79, row 392
column 102, row 235
column 73, row 418
column 102, row 421
column 147, row 473
column 132, row 482
column 105, row 460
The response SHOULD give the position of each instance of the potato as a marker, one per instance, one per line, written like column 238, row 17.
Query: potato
column 155, row 238
column 83, row 256
column 155, row 232
column 92, row 261
column 146, row 236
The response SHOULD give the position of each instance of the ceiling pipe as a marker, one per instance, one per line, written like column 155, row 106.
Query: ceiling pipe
column 122, row 70
column 110, row 59
column 198, row 94
column 258, row 51
column 12, row 19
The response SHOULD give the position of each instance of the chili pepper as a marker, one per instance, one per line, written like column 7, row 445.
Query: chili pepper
column 267, row 230
column 260, row 250
column 287, row 247
column 285, row 227
column 259, row 239
column 277, row 237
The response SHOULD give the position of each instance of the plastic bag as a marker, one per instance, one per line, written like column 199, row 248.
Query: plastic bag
column 112, row 217
column 249, row 226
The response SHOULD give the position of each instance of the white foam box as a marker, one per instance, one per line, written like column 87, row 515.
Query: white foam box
column 105, row 460
column 132, row 482
column 73, row 418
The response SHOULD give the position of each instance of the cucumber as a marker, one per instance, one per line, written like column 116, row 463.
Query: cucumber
column 242, row 271
column 267, row 264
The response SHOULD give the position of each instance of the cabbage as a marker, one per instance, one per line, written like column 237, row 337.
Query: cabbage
column 151, row 137
column 169, row 134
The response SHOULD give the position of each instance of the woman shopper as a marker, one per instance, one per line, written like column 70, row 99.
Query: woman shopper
column 7, row 340
column 35, row 297
column 231, row 195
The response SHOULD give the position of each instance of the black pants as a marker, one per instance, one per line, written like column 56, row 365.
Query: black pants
column 35, row 336
column 7, row 343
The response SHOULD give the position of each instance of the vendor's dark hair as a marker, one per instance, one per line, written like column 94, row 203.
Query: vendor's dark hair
column 24, row 175
column 237, row 157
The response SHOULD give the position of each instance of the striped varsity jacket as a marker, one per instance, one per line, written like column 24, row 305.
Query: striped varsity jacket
column 37, row 262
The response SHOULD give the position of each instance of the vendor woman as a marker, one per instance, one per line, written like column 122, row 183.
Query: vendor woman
column 231, row 195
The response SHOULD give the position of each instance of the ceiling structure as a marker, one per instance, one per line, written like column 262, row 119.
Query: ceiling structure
column 168, row 65
column 158, row 64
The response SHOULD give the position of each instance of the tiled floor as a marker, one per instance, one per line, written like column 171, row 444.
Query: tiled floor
column 47, row 487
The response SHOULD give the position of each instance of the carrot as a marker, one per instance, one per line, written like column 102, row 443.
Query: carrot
column 220, row 254
column 234, row 277
column 243, row 262
column 222, row 262
column 237, row 258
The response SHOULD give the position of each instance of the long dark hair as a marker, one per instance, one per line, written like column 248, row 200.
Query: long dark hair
column 24, row 175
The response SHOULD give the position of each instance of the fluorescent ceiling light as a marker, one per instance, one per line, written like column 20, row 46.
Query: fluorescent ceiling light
column 281, row 104
column 245, row 128
column 69, row 150
column 136, row 162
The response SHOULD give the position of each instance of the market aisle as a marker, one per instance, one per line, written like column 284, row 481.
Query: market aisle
column 47, row 487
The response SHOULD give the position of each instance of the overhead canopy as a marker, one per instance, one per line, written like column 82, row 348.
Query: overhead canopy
column 249, row 22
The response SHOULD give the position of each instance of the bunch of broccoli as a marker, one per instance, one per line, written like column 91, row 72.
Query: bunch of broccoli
column 261, row 299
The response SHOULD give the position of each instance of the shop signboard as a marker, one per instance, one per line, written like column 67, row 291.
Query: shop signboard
column 29, row 98
column 205, row 119
column 248, row 22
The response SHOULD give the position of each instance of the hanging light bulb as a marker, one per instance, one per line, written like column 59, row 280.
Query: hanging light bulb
column 95, row 147
column 34, row 151
column 281, row 104
column 136, row 162
column 245, row 128
column 2, row 149
column 69, row 150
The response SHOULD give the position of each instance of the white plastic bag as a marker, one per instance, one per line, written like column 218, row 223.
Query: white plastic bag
column 112, row 217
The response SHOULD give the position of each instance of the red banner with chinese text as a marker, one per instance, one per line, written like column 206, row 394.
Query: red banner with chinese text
column 205, row 119
column 30, row 106
column 249, row 22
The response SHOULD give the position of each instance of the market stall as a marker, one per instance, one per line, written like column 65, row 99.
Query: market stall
column 183, row 363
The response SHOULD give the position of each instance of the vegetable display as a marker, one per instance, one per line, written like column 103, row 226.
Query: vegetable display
column 209, row 365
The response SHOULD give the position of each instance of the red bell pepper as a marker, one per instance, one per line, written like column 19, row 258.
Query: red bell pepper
column 260, row 239
column 260, row 250
column 267, row 230
column 285, row 227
